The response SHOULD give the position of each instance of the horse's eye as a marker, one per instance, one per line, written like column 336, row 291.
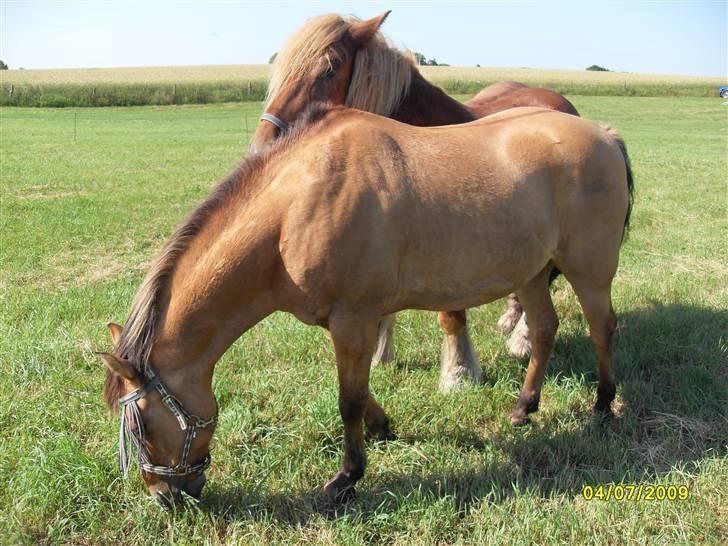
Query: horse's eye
column 328, row 73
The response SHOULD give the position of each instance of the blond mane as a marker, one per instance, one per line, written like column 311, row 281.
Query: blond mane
column 381, row 76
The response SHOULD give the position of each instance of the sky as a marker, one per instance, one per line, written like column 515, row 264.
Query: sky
column 662, row 37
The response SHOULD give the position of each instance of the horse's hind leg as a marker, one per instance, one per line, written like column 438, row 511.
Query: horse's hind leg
column 543, row 323
column 377, row 422
column 519, row 344
column 384, row 352
column 508, row 320
column 596, row 302
column 458, row 356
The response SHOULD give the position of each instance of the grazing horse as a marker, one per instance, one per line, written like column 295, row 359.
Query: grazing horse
column 347, row 61
column 352, row 217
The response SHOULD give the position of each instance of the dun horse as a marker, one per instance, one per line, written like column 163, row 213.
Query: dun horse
column 347, row 61
column 353, row 217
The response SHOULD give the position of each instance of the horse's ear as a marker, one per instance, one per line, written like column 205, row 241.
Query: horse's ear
column 363, row 31
column 124, row 368
column 115, row 330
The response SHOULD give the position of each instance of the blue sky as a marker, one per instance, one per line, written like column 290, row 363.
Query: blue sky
column 634, row 36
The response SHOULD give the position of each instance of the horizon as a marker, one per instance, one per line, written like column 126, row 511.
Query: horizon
column 646, row 37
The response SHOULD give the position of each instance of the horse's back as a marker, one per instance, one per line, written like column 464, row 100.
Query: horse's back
column 391, row 209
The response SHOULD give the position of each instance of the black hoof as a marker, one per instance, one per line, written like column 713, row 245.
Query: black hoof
column 381, row 435
column 527, row 403
column 605, row 396
column 605, row 412
column 340, row 489
column 519, row 419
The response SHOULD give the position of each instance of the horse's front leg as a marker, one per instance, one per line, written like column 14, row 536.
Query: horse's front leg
column 459, row 362
column 354, row 340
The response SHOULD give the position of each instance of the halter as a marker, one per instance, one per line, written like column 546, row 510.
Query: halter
column 187, row 422
column 275, row 120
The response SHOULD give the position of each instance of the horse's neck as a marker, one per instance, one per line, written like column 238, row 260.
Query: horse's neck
column 427, row 105
column 223, row 286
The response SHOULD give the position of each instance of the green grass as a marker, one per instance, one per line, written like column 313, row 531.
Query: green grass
column 136, row 86
column 81, row 219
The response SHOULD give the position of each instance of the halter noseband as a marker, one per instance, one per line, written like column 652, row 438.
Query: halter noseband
column 187, row 422
column 275, row 120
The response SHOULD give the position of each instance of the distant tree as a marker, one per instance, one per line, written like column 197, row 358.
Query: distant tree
column 420, row 58
column 597, row 68
column 273, row 58
column 3, row 66
column 432, row 62
column 477, row 66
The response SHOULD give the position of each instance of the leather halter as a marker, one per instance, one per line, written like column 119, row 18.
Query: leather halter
column 275, row 120
column 135, row 430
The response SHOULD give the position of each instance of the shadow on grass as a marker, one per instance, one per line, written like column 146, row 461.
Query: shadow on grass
column 672, row 370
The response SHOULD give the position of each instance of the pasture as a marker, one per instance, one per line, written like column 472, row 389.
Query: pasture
column 81, row 219
column 136, row 86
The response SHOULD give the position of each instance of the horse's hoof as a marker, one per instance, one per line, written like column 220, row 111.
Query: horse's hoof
column 519, row 419
column 385, row 435
column 451, row 383
column 339, row 490
column 605, row 412
column 460, row 378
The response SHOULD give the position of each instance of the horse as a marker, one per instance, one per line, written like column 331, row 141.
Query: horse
column 343, row 60
column 349, row 218
column 504, row 95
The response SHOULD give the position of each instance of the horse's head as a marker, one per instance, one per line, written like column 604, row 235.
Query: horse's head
column 316, row 64
column 169, row 425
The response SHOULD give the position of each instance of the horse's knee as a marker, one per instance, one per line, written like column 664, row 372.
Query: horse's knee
column 352, row 407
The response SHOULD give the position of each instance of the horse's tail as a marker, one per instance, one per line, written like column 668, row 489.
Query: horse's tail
column 612, row 132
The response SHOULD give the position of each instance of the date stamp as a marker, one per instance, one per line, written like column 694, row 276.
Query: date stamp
column 635, row 492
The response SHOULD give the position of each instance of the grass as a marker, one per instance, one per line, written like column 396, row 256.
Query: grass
column 80, row 221
column 215, row 84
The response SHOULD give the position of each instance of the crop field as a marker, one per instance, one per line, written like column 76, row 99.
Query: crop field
column 88, row 197
column 227, row 83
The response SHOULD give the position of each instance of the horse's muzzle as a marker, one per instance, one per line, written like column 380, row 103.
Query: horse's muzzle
column 170, row 493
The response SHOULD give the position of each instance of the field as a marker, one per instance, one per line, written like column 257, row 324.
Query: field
column 88, row 197
column 213, row 84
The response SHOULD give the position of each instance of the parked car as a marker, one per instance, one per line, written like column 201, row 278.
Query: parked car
column 723, row 91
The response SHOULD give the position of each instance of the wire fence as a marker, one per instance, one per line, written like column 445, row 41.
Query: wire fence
column 77, row 125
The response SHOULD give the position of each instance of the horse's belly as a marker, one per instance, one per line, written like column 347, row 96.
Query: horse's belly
column 454, row 277
column 452, row 298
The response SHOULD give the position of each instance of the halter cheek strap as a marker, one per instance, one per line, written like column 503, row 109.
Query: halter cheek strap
column 132, row 427
column 275, row 120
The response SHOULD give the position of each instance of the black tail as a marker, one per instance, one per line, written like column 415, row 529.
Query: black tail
column 630, row 179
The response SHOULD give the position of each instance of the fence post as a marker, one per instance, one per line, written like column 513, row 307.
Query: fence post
column 12, row 88
column 250, row 88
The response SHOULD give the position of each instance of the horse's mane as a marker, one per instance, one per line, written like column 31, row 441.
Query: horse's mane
column 381, row 76
column 139, row 333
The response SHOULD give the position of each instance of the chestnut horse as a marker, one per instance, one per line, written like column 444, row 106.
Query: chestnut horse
column 346, row 61
column 350, row 218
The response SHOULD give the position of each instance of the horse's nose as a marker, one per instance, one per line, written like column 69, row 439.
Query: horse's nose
column 194, row 487
column 168, row 495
